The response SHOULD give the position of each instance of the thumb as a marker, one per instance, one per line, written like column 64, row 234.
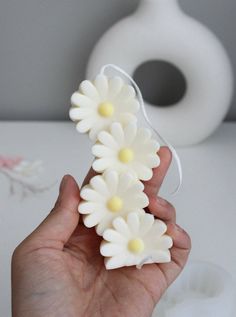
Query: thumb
column 59, row 225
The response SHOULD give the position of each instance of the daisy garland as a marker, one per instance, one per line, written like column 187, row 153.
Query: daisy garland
column 125, row 154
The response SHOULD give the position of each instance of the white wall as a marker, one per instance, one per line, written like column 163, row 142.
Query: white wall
column 44, row 47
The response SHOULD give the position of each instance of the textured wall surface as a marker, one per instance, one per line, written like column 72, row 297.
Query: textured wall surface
column 45, row 44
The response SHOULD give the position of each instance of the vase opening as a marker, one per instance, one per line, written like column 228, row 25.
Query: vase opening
column 161, row 82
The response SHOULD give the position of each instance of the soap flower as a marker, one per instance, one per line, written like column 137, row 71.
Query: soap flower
column 140, row 239
column 126, row 149
column 97, row 104
column 111, row 195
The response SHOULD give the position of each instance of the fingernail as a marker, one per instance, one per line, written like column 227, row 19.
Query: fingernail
column 178, row 228
column 63, row 182
column 161, row 201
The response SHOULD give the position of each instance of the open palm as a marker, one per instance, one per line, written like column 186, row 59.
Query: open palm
column 58, row 270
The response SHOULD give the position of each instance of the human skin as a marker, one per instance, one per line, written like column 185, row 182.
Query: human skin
column 58, row 270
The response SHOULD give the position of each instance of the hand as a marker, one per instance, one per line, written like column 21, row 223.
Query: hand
column 58, row 270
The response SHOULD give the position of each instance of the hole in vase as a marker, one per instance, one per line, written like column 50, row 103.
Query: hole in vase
column 161, row 82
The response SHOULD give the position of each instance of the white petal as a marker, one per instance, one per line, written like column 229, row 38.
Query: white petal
column 143, row 135
column 88, row 89
column 79, row 113
column 112, row 179
column 161, row 256
column 99, row 150
column 98, row 184
column 115, row 84
column 133, row 259
column 80, row 100
column 140, row 200
column 153, row 160
column 159, row 228
column 151, row 146
column 130, row 133
column 125, row 118
column 110, row 249
column 164, row 242
column 127, row 92
column 146, row 223
column 115, row 262
column 103, row 225
column 125, row 181
column 113, row 236
column 136, row 187
column 96, row 129
column 85, row 124
column 88, row 207
column 91, row 195
column 129, row 106
column 99, row 165
column 92, row 219
column 143, row 172
column 133, row 106
column 133, row 222
column 117, row 133
column 105, row 138
column 101, row 83
column 121, row 226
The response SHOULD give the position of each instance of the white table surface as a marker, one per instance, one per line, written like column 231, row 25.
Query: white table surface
column 206, row 204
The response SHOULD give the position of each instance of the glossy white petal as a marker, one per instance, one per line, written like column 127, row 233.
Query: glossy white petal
column 90, row 195
column 117, row 133
column 77, row 113
column 88, row 207
column 99, row 184
column 110, row 100
column 99, row 150
column 108, row 140
column 112, row 180
column 127, row 152
column 115, row 85
column 142, row 239
column 88, row 89
column 115, row 262
column 92, row 219
column 82, row 101
column 101, row 84
column 110, row 249
column 102, row 164
column 85, row 125
column 103, row 197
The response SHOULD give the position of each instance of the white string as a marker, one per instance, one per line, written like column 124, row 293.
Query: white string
column 140, row 98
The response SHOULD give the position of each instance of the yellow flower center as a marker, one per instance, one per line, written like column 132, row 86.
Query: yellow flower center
column 136, row 245
column 126, row 155
column 106, row 109
column 115, row 204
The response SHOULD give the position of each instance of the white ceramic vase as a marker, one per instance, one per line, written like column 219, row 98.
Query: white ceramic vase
column 160, row 30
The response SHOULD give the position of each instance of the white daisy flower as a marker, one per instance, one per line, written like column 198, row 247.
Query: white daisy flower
column 97, row 104
column 138, row 240
column 111, row 195
column 127, row 149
